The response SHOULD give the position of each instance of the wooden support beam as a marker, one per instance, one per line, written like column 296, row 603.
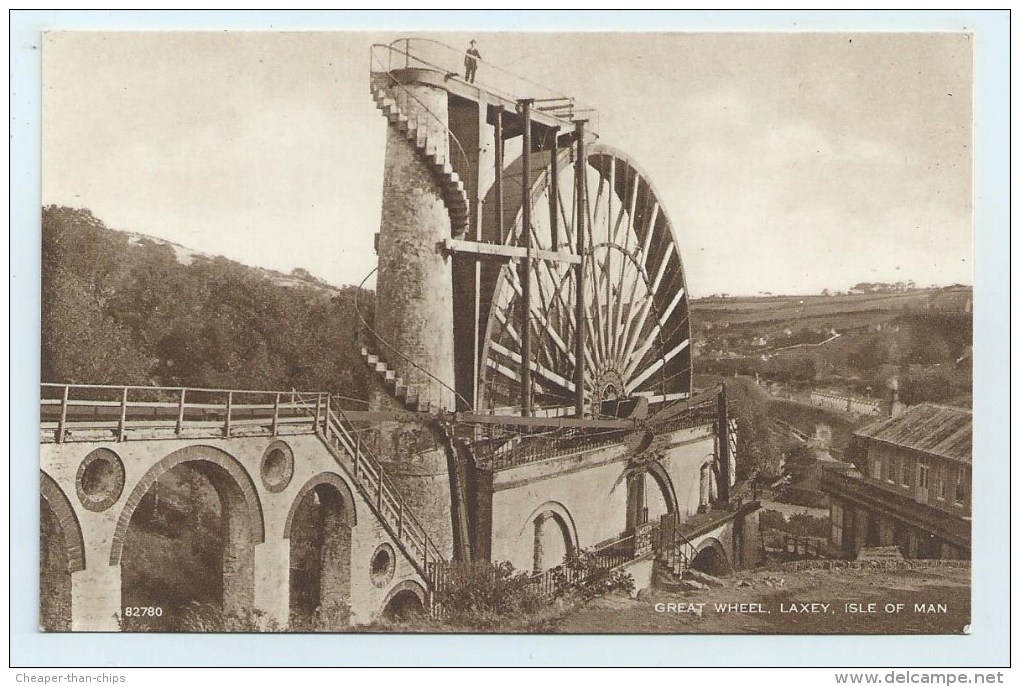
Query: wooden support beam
column 497, row 251
column 524, row 107
column 580, row 166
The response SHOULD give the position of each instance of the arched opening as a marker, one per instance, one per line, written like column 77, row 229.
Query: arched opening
column 61, row 553
column 319, row 529
column 187, row 549
column 552, row 541
column 54, row 574
column 405, row 601
column 648, row 499
column 711, row 559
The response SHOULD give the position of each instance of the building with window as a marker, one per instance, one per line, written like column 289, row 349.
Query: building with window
column 909, row 485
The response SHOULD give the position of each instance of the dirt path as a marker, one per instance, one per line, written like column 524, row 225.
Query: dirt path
column 908, row 601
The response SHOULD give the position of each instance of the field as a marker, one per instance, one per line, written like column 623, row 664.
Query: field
column 840, row 311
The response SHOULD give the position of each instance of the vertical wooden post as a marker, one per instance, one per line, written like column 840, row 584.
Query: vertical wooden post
column 500, row 238
column 554, row 191
column 276, row 414
column 328, row 411
column 378, row 491
column 230, row 408
column 318, row 410
column 123, row 415
column 400, row 519
column 63, row 416
column 357, row 453
column 580, row 165
column 723, row 487
column 524, row 106
column 180, row 413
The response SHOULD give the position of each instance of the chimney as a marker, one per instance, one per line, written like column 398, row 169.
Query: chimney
column 896, row 407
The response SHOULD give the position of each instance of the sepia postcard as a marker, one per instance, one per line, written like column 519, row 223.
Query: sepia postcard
column 497, row 332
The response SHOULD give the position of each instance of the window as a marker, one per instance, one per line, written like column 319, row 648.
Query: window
column 894, row 469
column 836, row 517
column 922, row 476
column 941, row 481
column 876, row 468
column 907, row 473
column 962, row 486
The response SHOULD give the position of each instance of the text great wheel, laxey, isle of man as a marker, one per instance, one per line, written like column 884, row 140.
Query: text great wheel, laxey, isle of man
column 636, row 312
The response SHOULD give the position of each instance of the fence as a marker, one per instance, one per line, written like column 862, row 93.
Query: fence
column 513, row 449
column 87, row 412
column 789, row 544
column 477, row 576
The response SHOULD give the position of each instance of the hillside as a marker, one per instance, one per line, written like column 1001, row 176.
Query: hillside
column 850, row 343
column 124, row 308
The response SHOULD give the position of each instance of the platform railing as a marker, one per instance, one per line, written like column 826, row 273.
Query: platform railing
column 78, row 412
column 427, row 53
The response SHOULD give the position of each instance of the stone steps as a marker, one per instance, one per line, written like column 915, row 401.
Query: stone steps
column 454, row 194
column 408, row 395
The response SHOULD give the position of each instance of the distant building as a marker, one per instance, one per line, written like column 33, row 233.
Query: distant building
column 911, row 487
column 851, row 404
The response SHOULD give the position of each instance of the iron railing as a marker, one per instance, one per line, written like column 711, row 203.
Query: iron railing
column 426, row 53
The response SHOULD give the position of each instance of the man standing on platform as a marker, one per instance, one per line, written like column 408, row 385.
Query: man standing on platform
column 471, row 62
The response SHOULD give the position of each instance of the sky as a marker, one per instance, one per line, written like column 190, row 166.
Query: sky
column 787, row 162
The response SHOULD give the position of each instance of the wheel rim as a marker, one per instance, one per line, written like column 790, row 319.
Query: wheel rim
column 636, row 323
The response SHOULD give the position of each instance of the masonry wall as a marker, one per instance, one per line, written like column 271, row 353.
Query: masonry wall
column 414, row 287
column 591, row 489
column 96, row 590
column 684, row 454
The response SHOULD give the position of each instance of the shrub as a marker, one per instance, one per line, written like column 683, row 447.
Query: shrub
column 800, row 524
column 482, row 593
column 209, row 618
column 581, row 577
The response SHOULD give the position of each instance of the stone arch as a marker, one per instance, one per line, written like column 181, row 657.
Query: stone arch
column 711, row 557
column 557, row 513
column 61, row 506
column 61, row 554
column 318, row 530
column 635, row 478
column 398, row 604
column 333, row 480
column 665, row 483
column 242, row 521
column 209, row 456
column 560, row 512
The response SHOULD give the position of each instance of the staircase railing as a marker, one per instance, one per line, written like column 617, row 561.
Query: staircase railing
column 674, row 549
column 377, row 489
column 377, row 66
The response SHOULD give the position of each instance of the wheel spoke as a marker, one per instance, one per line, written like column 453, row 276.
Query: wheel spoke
column 634, row 314
column 659, row 362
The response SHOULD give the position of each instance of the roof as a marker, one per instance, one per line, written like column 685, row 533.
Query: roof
column 929, row 428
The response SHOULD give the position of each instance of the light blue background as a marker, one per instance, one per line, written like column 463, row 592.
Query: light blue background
column 986, row 646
